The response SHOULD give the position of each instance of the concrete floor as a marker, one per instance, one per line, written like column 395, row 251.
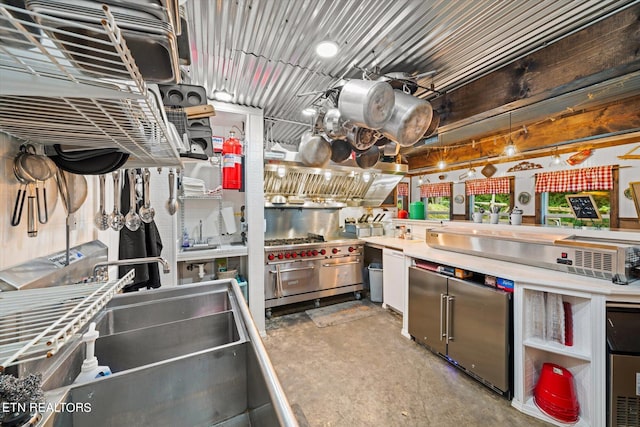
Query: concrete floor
column 364, row 373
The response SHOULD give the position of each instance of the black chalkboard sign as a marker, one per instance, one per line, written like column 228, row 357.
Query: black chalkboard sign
column 583, row 206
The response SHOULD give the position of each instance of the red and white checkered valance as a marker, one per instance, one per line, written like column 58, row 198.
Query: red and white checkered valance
column 403, row 189
column 439, row 189
column 585, row 179
column 487, row 186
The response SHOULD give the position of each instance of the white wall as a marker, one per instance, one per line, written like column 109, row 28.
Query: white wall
column 17, row 247
column 525, row 180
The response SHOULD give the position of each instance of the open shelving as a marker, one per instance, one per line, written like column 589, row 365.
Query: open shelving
column 577, row 358
column 46, row 98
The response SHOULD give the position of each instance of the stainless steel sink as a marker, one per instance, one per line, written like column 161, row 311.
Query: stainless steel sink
column 187, row 356
column 144, row 346
column 144, row 313
column 202, row 389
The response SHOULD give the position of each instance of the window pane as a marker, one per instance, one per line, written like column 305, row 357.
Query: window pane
column 485, row 201
column 559, row 213
column 437, row 207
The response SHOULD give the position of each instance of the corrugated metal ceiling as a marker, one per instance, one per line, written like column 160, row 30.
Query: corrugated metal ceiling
column 262, row 51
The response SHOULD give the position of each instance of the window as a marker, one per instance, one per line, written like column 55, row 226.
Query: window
column 501, row 202
column 485, row 194
column 554, row 186
column 437, row 200
column 556, row 210
column 437, row 207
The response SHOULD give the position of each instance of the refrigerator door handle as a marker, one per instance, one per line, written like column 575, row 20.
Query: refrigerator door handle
column 449, row 336
column 443, row 297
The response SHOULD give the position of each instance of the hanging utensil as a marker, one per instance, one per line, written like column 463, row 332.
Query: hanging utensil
column 314, row 150
column 22, row 191
column 132, row 219
column 73, row 190
column 340, row 150
column 172, row 203
column 368, row 158
column 361, row 139
column 147, row 213
column 32, row 223
column 77, row 189
column 332, row 124
column 101, row 219
column 116, row 219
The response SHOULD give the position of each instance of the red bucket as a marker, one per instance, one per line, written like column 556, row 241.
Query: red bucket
column 555, row 393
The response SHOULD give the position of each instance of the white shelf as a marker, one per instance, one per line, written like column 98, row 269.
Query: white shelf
column 45, row 98
column 530, row 408
column 557, row 348
column 203, row 197
column 36, row 323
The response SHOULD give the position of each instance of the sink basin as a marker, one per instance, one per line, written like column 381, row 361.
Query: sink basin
column 181, row 356
column 144, row 346
column 203, row 389
column 151, row 312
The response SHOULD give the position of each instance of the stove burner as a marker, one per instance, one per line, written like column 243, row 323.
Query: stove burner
column 311, row 238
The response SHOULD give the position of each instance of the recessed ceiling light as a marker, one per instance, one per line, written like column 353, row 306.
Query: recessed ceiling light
column 222, row 95
column 327, row 49
column 441, row 164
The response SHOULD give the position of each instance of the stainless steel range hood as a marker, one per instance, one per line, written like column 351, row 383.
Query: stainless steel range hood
column 334, row 186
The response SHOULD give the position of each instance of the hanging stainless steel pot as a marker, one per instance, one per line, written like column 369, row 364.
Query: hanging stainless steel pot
column 332, row 124
column 368, row 158
column 433, row 126
column 391, row 149
column 340, row 150
column 366, row 103
column 314, row 150
column 361, row 139
column 410, row 119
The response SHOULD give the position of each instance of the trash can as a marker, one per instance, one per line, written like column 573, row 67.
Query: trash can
column 375, row 282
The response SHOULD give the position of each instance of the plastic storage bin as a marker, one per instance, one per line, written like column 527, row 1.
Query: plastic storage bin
column 375, row 282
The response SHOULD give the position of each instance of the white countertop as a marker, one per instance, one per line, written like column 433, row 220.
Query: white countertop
column 517, row 272
column 391, row 242
column 219, row 252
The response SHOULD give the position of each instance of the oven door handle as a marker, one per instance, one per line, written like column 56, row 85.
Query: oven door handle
column 278, row 282
column 289, row 270
column 341, row 264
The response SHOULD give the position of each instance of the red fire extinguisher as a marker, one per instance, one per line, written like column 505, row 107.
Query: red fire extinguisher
column 231, row 163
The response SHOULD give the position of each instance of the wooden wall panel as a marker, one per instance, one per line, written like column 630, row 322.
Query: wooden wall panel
column 604, row 50
column 629, row 223
column 614, row 117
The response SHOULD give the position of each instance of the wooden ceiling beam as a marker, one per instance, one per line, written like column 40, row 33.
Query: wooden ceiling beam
column 603, row 51
column 602, row 121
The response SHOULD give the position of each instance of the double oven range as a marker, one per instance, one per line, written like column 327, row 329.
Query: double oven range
column 309, row 268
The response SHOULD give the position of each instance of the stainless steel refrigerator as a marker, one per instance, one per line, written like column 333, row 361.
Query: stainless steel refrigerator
column 465, row 322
